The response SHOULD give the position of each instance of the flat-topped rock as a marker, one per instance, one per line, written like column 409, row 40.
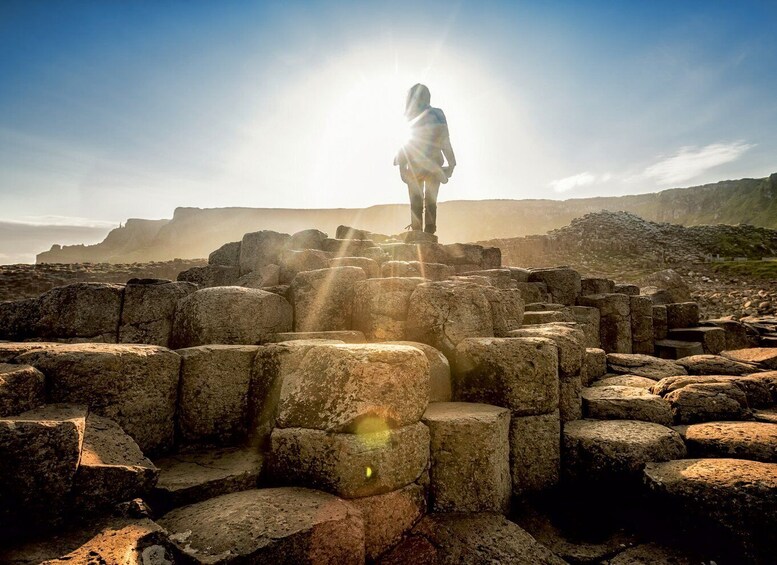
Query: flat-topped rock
column 344, row 336
column 87, row 310
column 275, row 525
column 625, row 380
column 715, row 365
column 230, row 315
column 563, row 283
column 605, row 449
column 297, row 261
column 594, row 365
column 643, row 366
column 194, row 476
column 39, row 454
column 477, row 538
column 535, row 452
column 323, row 299
column 350, row 465
column 439, row 371
column 21, row 389
column 765, row 357
column 261, row 248
column 112, row 468
column 370, row 267
column 703, row 402
column 676, row 349
column 682, row 315
column 380, row 307
column 654, row 554
column 712, row 339
column 148, row 310
column 740, row 440
column 735, row 495
column 625, row 403
column 755, row 387
column 430, row 271
column 470, row 457
column 355, row 388
column 134, row 385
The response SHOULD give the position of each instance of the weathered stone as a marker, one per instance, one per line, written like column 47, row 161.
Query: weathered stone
column 500, row 278
column 516, row 373
column 713, row 340
column 264, row 276
column 350, row 465
column 21, row 389
column 121, row 540
column 464, row 254
column 658, row 296
column 570, row 343
column 535, row 452
column 492, row 258
column 670, row 281
column 112, row 468
column 703, row 402
column 600, row 450
column 533, row 291
column 298, row 261
column 736, row 496
column 742, row 440
column 228, row 254
column 594, row 285
column 148, row 310
column 652, row 553
column 768, row 415
column 475, row 279
column 470, row 457
column 380, row 307
column 643, row 366
column 480, row 538
column 18, row 318
column 765, row 357
column 625, row 380
column 210, row 276
column 682, row 315
column 738, row 335
column 714, row 365
column 563, row 283
column 347, row 247
column 387, row 517
column 342, row 336
column 627, row 289
column 134, row 385
column 625, row 403
column 506, row 309
column 769, row 380
column 262, row 248
column 431, row 271
column 39, row 454
column 307, row 239
column 229, row 315
column 355, row 389
column 594, row 365
column 569, row 398
column 660, row 324
column 519, row 274
column 589, row 320
column 370, row 267
column 323, row 299
column 545, row 307
column 755, row 387
column 213, row 394
column 190, row 477
column 442, row 314
column 9, row 351
column 274, row 525
column 533, row 318
column 615, row 322
column 423, row 252
column 271, row 365
column 674, row 349
column 439, row 371
column 80, row 310
column 641, row 325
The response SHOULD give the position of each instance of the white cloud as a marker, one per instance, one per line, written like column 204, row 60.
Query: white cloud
column 690, row 162
column 583, row 179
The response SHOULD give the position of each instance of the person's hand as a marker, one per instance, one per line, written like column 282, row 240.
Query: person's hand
column 449, row 170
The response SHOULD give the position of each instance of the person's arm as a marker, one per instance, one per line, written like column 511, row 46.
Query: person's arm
column 446, row 147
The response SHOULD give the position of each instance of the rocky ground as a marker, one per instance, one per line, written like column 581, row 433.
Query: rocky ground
column 25, row 281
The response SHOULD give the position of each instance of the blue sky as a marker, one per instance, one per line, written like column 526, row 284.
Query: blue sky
column 111, row 110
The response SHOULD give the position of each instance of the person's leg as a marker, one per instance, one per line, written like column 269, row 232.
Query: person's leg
column 416, row 191
column 430, row 205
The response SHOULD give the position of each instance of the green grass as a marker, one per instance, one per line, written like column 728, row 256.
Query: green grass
column 755, row 269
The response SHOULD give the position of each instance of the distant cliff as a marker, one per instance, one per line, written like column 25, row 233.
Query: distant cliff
column 194, row 232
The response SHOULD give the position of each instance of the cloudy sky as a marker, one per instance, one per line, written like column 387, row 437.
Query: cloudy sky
column 110, row 110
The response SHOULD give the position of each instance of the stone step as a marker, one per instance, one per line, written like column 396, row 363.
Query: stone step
column 345, row 336
column 602, row 450
column 732, row 497
column 764, row 357
column 195, row 476
column 469, row 457
column 715, row 365
column 21, row 389
column 112, row 469
column 758, row 388
column 676, row 349
column 624, row 380
column 625, row 403
column 642, row 366
column 768, row 415
column 712, row 339
column 274, row 525
column 740, row 440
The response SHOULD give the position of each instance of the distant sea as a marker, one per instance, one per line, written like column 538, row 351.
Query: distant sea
column 20, row 242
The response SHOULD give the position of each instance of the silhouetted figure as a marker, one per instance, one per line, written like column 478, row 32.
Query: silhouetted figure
column 421, row 160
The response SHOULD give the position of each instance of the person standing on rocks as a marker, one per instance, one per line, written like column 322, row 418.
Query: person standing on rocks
column 421, row 159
